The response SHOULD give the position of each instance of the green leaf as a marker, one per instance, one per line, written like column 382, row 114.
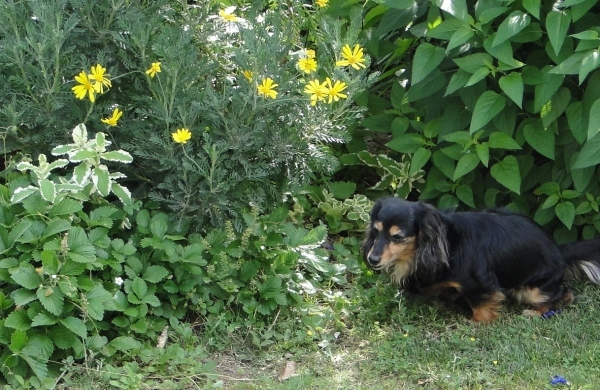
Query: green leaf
column 555, row 108
column 407, row 143
column 248, row 270
column 465, row 194
column 589, row 155
column 540, row 139
column 557, row 25
column 479, row 75
column 457, row 81
column 23, row 296
column 565, row 211
column 155, row 273
column 18, row 340
column 270, row 288
column 544, row 91
column 101, row 180
column 487, row 107
column 533, row 7
column 44, row 319
column 500, row 140
column 66, row 206
column 75, row 325
column 26, row 276
column 456, row 8
column 427, row 57
column 594, row 122
column 444, row 163
column 506, row 172
column 589, row 63
column 483, row 152
column 121, row 344
column 52, row 298
column 159, row 225
column 22, row 193
column 575, row 120
column 512, row 86
column 81, row 249
column 473, row 62
column 466, row 164
column 511, row 26
column 459, row 37
column 139, row 287
column 315, row 236
column 418, row 160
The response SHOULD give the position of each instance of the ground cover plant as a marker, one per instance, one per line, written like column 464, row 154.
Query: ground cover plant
column 186, row 184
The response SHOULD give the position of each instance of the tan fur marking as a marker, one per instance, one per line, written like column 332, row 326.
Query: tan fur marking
column 530, row 295
column 395, row 230
column 378, row 226
column 398, row 259
column 488, row 311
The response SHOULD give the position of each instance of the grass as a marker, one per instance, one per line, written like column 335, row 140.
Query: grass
column 405, row 345
column 419, row 346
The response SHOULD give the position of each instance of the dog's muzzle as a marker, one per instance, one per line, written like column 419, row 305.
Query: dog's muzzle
column 374, row 260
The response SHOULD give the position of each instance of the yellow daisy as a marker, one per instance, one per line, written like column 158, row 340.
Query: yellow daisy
column 154, row 69
column 181, row 136
column 248, row 75
column 84, row 88
column 352, row 57
column 317, row 91
column 334, row 91
column 100, row 78
column 112, row 121
column 227, row 14
column 307, row 65
column 267, row 88
column 310, row 53
column 322, row 3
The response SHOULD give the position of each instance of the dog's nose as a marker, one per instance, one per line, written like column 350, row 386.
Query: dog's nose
column 374, row 260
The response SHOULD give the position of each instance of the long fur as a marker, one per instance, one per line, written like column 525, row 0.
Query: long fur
column 480, row 257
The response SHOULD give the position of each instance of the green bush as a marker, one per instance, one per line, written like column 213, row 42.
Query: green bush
column 496, row 101
column 166, row 66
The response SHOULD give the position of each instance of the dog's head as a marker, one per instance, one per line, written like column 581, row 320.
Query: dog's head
column 404, row 238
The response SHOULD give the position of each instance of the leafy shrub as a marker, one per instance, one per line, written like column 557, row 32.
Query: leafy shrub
column 496, row 101
column 198, row 68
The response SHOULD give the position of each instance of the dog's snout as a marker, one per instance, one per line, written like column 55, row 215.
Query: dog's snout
column 374, row 260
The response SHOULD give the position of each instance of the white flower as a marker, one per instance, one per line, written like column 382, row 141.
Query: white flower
column 119, row 281
column 54, row 276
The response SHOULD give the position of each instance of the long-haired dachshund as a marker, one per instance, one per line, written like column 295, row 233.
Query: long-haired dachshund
column 481, row 257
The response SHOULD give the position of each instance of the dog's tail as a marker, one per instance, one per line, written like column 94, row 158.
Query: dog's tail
column 583, row 259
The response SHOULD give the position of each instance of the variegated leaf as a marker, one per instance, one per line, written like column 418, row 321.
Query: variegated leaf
column 80, row 135
column 117, row 155
column 122, row 193
column 101, row 180
column 81, row 174
column 22, row 193
column 48, row 190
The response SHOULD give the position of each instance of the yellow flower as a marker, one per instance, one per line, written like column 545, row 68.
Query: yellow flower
column 154, row 69
column 307, row 65
column 267, row 88
column 84, row 88
column 335, row 91
column 322, row 3
column 248, row 74
column 112, row 121
column 100, row 79
column 310, row 53
column 181, row 136
column 352, row 57
column 317, row 91
column 227, row 14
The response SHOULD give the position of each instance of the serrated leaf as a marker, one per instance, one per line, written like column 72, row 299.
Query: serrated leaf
column 459, row 37
column 488, row 105
column 101, row 180
column 557, row 26
column 427, row 57
column 18, row 320
column 52, row 298
column 511, row 26
column 44, row 319
column 456, row 8
column 315, row 236
column 81, row 249
column 594, row 122
column 407, row 143
column 75, row 325
column 465, row 194
column 589, row 63
column 533, row 7
column 483, row 152
column 81, row 173
column 589, row 155
column 82, row 155
column 139, row 287
column 17, row 341
column 507, row 173
column 23, row 296
column 248, row 270
column 122, row 344
column 48, row 190
column 66, row 206
column 55, row 226
column 500, row 140
column 155, row 273
column 546, row 90
column 270, row 288
column 479, row 75
column 22, row 193
column 512, row 86
column 565, row 211
column 457, row 81
column 540, row 139
column 26, row 276
column 151, row 300
column 64, row 338
column 473, row 62
column 418, row 160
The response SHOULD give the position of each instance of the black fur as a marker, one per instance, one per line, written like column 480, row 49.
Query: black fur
column 484, row 256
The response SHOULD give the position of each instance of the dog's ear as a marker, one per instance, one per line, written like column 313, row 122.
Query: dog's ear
column 369, row 240
column 432, row 240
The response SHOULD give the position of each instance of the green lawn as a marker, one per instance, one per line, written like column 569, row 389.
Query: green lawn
column 419, row 346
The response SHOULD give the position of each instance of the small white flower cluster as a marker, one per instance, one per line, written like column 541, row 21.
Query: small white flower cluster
column 119, row 281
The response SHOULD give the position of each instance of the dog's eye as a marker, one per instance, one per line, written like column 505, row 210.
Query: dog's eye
column 398, row 238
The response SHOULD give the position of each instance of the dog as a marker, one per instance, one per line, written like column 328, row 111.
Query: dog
column 480, row 257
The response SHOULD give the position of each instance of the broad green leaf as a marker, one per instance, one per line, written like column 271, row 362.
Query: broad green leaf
column 533, row 7
column 48, row 190
column 444, row 163
column 594, row 122
column 582, row 177
column 547, row 89
column 44, row 319
column 457, row 81
column 22, row 193
column 248, row 270
column 18, row 320
column 512, row 86
column 18, row 340
column 431, row 85
column 540, row 139
column 499, row 140
column 155, row 273
column 456, row 8
column 550, row 201
column 55, row 226
column 511, row 26
column 418, row 160
column 23, row 296
column 26, row 276
column 120, row 344
column 479, row 75
column 591, row 35
column 473, row 62
column 590, row 62
column 488, row 105
column 66, row 206
column 565, row 211
column 465, row 194
column 569, row 3
column 407, row 143
column 82, row 155
column 581, row 8
column 81, row 173
column 483, row 152
column 466, row 164
column 557, row 26
column 81, row 249
column 139, row 287
column 118, row 156
column 571, row 65
column 575, row 120
column 459, row 37
column 503, row 52
column 75, row 325
column 552, row 110
column 49, row 261
column 506, row 172
column 427, row 57
column 490, row 14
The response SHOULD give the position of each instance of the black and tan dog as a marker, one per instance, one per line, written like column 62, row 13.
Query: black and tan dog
column 481, row 257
